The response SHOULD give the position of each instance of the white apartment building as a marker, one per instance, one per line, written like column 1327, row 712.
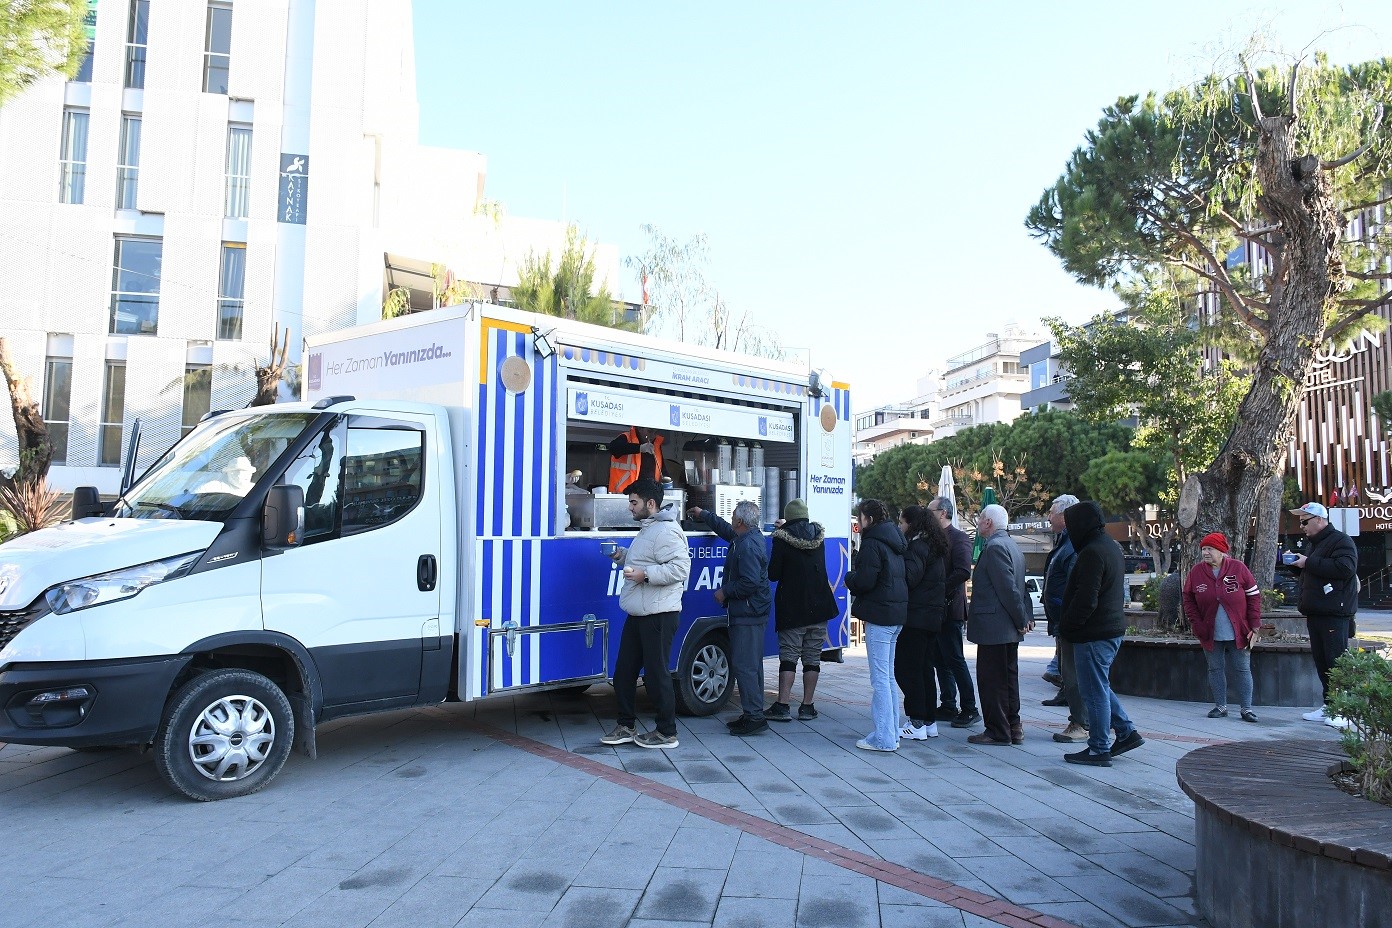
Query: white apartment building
column 220, row 171
column 984, row 384
column 906, row 423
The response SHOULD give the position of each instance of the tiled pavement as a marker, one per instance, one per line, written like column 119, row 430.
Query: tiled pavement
column 509, row 813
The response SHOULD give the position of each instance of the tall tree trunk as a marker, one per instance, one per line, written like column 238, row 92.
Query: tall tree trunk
column 35, row 452
column 1297, row 194
column 1268, row 530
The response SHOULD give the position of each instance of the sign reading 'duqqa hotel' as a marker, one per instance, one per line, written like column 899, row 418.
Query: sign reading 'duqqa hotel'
column 1339, row 451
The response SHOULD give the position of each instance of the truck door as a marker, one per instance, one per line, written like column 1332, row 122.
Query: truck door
column 361, row 592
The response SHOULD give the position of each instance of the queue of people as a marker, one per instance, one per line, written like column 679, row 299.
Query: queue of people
column 907, row 582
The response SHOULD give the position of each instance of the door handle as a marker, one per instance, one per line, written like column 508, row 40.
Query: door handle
column 426, row 573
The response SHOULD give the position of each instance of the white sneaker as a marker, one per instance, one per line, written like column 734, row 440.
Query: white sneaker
column 1314, row 715
column 919, row 733
column 1338, row 721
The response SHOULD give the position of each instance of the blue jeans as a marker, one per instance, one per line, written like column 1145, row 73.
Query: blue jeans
column 879, row 648
column 1238, row 660
column 1093, row 662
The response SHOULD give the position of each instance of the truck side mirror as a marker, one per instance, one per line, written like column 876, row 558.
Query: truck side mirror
column 86, row 502
column 282, row 523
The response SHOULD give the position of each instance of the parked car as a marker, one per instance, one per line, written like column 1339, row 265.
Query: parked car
column 1035, row 587
column 1288, row 585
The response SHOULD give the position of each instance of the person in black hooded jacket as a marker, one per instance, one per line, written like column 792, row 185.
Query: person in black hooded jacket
column 803, row 602
column 925, row 572
column 882, row 604
column 1093, row 623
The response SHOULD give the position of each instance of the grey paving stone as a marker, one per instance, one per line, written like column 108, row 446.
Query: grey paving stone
column 535, row 888
column 764, row 874
column 676, row 894
column 1082, row 914
column 755, row 913
column 622, row 865
column 820, row 908
column 1147, row 873
column 918, row 916
column 590, row 907
column 701, row 848
column 1016, row 880
column 433, row 902
column 1132, row 906
column 500, row 918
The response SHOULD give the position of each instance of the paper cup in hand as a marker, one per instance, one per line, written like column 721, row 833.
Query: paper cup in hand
column 1290, row 557
column 608, row 547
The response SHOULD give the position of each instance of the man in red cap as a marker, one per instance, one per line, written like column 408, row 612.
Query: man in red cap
column 1328, row 596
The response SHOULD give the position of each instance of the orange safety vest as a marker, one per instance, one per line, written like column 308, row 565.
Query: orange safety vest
column 623, row 469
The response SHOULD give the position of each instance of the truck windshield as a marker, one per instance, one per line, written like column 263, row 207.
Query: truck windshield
column 207, row 474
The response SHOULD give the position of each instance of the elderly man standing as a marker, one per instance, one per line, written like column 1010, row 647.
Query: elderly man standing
column 997, row 620
column 747, row 597
column 1056, row 571
column 1328, row 596
column 1093, row 622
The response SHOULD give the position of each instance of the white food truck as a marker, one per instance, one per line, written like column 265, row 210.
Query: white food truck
column 426, row 525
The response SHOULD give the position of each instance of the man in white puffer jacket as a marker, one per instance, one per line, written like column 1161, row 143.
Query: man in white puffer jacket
column 656, row 567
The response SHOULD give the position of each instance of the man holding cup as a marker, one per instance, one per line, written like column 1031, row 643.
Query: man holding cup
column 656, row 567
column 1328, row 596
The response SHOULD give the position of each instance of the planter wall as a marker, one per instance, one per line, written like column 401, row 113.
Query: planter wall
column 1283, row 673
column 1278, row 845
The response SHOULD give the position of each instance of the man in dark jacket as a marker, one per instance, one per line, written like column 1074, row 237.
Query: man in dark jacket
column 1093, row 622
column 746, row 596
column 951, row 663
column 802, row 604
column 1056, row 571
column 1328, row 595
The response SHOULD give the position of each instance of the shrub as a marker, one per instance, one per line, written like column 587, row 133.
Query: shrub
column 1150, row 593
column 32, row 505
column 1272, row 599
column 1360, row 687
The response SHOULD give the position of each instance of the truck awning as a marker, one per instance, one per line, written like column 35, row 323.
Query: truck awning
column 631, row 407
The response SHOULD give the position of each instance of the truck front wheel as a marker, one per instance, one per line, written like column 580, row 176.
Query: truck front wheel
column 703, row 679
column 225, row 733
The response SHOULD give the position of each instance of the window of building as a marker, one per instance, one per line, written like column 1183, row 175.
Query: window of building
column 231, row 291
column 72, row 157
column 198, row 395
column 128, row 162
column 135, row 284
column 238, row 170
column 137, row 38
column 57, row 403
column 113, row 412
column 217, row 48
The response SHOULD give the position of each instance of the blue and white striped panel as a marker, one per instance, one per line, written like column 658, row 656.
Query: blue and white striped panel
column 516, row 440
column 508, row 587
column 838, row 398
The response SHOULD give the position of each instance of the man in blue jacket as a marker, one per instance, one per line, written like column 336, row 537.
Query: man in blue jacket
column 747, row 597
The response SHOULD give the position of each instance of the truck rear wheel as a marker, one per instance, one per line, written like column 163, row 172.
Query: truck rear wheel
column 225, row 733
column 703, row 679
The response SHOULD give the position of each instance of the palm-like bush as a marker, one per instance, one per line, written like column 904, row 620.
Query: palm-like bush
column 32, row 505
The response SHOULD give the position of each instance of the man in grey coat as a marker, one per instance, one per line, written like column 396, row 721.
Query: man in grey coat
column 1000, row 615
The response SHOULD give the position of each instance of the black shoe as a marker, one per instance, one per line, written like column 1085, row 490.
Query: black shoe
column 1056, row 701
column 1053, row 678
column 945, row 713
column 746, row 726
column 807, row 712
column 1129, row 743
column 966, row 718
column 1217, row 713
column 778, row 712
column 1085, row 756
column 742, row 717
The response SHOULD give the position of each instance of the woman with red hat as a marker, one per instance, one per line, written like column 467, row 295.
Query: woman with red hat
column 1223, row 605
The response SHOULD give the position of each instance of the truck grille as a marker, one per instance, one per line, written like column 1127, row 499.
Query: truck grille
column 12, row 623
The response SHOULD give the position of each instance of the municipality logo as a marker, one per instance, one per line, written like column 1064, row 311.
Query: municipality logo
column 316, row 370
column 582, row 404
column 763, row 426
column 676, row 415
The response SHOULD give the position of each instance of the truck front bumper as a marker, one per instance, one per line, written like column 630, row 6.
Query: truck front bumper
column 86, row 703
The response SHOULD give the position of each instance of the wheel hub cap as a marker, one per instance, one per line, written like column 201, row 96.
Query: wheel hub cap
column 231, row 738
column 710, row 673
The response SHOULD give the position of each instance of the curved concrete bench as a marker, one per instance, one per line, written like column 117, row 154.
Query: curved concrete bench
column 1278, row 844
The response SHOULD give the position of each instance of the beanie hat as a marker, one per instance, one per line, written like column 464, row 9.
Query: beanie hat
column 1216, row 541
column 796, row 509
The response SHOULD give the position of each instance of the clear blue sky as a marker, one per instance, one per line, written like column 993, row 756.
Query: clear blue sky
column 862, row 170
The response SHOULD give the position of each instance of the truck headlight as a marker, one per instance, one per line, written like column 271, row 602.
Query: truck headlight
column 120, row 584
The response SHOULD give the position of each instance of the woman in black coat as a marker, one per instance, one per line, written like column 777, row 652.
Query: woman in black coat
column 882, row 604
column 925, row 573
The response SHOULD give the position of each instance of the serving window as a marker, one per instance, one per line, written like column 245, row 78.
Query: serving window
column 714, row 452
